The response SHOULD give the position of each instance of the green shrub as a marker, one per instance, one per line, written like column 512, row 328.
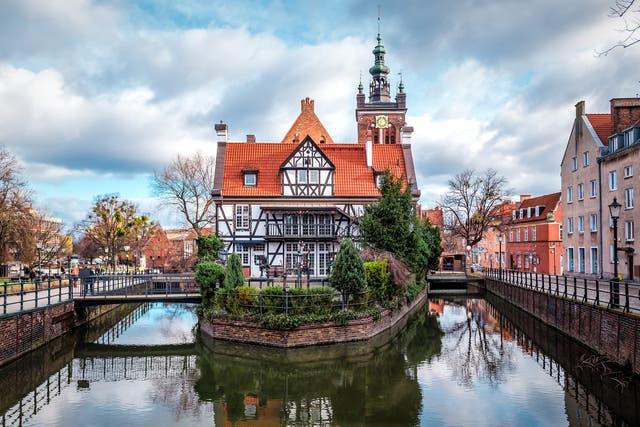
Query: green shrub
column 413, row 290
column 272, row 299
column 235, row 276
column 279, row 321
column 207, row 275
column 208, row 247
column 243, row 299
column 378, row 278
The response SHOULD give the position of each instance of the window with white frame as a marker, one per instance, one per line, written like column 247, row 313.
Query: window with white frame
column 569, row 194
column 613, row 180
column 581, row 191
column 628, row 231
column 569, row 225
column 518, row 235
column 581, row 260
column 534, row 233
column 313, row 176
column 580, row 224
column 628, row 198
column 250, row 179
column 242, row 217
column 593, row 188
column 628, row 171
column 570, row 265
column 302, row 176
column 511, row 235
column 519, row 260
column 585, row 159
column 526, row 234
column 593, row 258
column 574, row 163
column 593, row 222
column 243, row 253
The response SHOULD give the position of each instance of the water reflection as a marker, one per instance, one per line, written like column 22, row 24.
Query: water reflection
column 458, row 362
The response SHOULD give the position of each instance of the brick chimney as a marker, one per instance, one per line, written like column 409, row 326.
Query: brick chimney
column 625, row 112
column 251, row 138
column 306, row 104
column 524, row 197
column 221, row 131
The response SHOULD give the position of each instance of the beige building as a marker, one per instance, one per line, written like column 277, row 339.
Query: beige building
column 598, row 165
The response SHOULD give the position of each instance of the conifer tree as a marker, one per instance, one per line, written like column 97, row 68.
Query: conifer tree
column 347, row 273
column 234, row 277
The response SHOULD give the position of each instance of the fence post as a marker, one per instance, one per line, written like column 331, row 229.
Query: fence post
column 597, row 292
column 286, row 300
column 586, row 297
column 49, row 290
column 626, row 294
column 4, row 299
column 536, row 282
column 575, row 288
column 565, row 286
column 21, row 296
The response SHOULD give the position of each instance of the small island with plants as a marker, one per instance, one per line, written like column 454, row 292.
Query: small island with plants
column 367, row 292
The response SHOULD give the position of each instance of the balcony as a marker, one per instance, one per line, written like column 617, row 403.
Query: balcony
column 300, row 231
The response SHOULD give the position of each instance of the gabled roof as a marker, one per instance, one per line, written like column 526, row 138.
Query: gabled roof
column 548, row 203
column 307, row 142
column 352, row 177
column 307, row 123
column 603, row 126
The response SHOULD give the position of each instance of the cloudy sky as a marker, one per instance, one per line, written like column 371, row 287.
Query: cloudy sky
column 96, row 95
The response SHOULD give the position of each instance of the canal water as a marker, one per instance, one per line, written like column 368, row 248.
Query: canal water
column 457, row 362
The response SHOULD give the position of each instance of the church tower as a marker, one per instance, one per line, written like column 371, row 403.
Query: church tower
column 381, row 120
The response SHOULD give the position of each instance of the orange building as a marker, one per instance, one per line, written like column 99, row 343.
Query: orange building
column 534, row 240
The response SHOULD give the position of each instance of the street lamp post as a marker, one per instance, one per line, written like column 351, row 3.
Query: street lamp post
column 614, row 211
column 126, row 250
column 500, row 237
column 39, row 248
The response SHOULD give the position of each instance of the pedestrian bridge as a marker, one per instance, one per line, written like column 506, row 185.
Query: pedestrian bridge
column 124, row 289
column 448, row 283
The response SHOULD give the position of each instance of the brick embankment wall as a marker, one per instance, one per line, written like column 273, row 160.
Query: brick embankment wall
column 27, row 331
column 609, row 332
column 310, row 334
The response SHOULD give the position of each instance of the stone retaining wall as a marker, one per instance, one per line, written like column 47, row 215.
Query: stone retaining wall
column 23, row 332
column 609, row 332
column 309, row 334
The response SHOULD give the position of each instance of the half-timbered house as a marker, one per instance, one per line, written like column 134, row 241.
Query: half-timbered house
column 288, row 204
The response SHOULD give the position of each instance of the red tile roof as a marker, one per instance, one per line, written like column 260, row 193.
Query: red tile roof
column 549, row 201
column 603, row 126
column 434, row 216
column 351, row 176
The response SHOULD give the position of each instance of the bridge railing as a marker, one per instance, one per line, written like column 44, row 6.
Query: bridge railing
column 137, row 284
column 605, row 292
column 19, row 296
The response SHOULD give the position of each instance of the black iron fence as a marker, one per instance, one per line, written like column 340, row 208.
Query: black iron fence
column 605, row 292
column 136, row 284
column 19, row 296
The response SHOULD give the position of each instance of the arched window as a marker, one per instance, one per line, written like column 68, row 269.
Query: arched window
column 390, row 135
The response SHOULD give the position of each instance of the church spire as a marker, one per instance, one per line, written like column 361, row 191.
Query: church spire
column 379, row 89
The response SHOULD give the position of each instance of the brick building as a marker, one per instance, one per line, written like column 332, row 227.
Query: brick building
column 600, row 162
column 533, row 235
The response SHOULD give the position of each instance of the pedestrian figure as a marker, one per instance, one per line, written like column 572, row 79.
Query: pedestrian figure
column 75, row 272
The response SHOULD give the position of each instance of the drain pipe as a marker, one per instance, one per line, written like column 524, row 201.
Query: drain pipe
column 599, row 161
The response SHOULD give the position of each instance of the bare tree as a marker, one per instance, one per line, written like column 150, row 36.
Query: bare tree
column 470, row 204
column 186, row 184
column 15, row 203
column 624, row 11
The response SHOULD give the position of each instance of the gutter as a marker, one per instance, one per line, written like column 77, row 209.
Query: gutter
column 599, row 161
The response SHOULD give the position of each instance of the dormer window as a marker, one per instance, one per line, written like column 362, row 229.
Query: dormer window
column 250, row 178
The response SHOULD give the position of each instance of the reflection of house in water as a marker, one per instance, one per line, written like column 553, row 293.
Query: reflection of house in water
column 436, row 306
column 273, row 413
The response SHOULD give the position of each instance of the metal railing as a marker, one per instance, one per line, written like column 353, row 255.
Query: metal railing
column 300, row 230
column 604, row 292
column 291, row 302
column 19, row 296
column 148, row 285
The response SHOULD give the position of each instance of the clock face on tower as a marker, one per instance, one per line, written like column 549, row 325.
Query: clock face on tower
column 382, row 122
